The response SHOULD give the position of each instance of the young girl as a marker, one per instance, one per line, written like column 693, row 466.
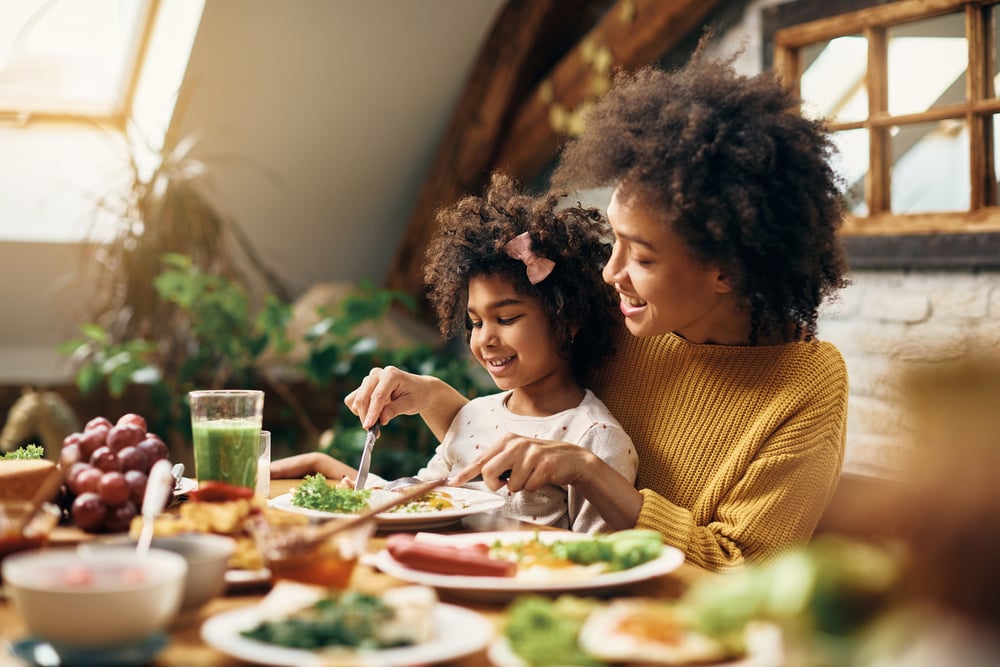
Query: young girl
column 522, row 278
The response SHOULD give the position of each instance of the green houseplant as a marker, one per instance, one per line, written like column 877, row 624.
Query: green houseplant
column 226, row 338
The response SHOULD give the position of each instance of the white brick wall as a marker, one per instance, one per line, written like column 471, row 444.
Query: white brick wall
column 887, row 321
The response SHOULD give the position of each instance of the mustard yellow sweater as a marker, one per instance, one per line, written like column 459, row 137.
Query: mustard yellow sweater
column 740, row 448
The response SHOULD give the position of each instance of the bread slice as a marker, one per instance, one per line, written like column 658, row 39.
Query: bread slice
column 19, row 478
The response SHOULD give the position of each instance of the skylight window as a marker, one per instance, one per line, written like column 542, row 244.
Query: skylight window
column 69, row 57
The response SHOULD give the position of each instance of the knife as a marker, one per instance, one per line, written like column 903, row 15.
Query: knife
column 366, row 456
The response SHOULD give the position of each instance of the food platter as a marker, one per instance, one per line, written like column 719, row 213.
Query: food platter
column 501, row 588
column 456, row 632
column 471, row 502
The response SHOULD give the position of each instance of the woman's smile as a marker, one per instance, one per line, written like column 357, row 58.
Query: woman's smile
column 630, row 305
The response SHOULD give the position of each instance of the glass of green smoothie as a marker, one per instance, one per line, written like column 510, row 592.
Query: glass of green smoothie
column 226, row 425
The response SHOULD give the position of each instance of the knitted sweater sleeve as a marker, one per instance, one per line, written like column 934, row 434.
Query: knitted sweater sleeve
column 739, row 450
column 774, row 506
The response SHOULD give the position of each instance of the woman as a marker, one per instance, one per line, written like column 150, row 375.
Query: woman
column 724, row 212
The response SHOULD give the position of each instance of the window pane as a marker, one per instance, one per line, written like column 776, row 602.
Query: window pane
column 851, row 164
column 930, row 167
column 68, row 56
column 928, row 61
column 833, row 79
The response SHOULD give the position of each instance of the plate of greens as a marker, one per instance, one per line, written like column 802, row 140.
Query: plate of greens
column 443, row 506
column 334, row 636
column 549, row 562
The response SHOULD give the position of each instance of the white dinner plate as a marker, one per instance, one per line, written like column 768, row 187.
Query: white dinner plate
column 475, row 501
column 500, row 588
column 186, row 486
column 456, row 632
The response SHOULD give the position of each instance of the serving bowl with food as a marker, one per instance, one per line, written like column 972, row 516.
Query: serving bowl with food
column 95, row 603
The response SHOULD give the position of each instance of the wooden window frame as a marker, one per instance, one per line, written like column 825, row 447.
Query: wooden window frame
column 968, row 239
column 115, row 115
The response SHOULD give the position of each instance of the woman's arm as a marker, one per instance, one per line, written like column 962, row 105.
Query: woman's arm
column 310, row 463
column 388, row 392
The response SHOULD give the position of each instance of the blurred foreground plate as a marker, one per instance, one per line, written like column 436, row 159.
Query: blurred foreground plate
column 764, row 649
column 457, row 632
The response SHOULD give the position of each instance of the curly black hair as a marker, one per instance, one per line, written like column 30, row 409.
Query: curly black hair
column 469, row 241
column 735, row 169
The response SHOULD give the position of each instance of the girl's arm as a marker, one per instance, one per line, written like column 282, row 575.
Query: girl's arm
column 388, row 392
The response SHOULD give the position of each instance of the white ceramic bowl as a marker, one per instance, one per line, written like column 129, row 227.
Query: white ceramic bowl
column 102, row 598
column 207, row 557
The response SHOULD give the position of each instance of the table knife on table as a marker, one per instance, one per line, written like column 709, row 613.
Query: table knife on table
column 366, row 457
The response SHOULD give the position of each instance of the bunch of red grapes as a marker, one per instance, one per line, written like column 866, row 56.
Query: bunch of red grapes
column 105, row 472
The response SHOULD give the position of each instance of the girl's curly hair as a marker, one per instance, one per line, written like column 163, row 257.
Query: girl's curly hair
column 738, row 173
column 470, row 240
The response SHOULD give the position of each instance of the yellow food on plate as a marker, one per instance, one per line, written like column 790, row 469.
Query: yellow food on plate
column 222, row 518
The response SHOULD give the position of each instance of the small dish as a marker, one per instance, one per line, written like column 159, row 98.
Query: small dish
column 34, row 651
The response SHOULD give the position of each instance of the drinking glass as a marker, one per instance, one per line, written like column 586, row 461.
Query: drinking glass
column 226, row 426
column 264, row 466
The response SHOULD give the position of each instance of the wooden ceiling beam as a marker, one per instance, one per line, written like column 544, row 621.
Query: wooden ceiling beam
column 632, row 33
column 465, row 152
column 509, row 117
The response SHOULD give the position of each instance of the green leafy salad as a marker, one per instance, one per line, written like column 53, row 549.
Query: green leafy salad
column 544, row 632
column 25, row 452
column 348, row 620
column 316, row 494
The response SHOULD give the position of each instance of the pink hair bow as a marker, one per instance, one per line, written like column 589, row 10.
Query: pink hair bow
column 538, row 268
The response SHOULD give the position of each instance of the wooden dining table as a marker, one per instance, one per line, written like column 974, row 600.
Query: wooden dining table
column 187, row 649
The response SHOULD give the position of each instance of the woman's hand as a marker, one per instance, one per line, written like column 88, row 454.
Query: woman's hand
column 388, row 392
column 533, row 463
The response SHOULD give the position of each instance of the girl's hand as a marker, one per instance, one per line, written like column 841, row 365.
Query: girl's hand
column 533, row 463
column 388, row 392
column 385, row 393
